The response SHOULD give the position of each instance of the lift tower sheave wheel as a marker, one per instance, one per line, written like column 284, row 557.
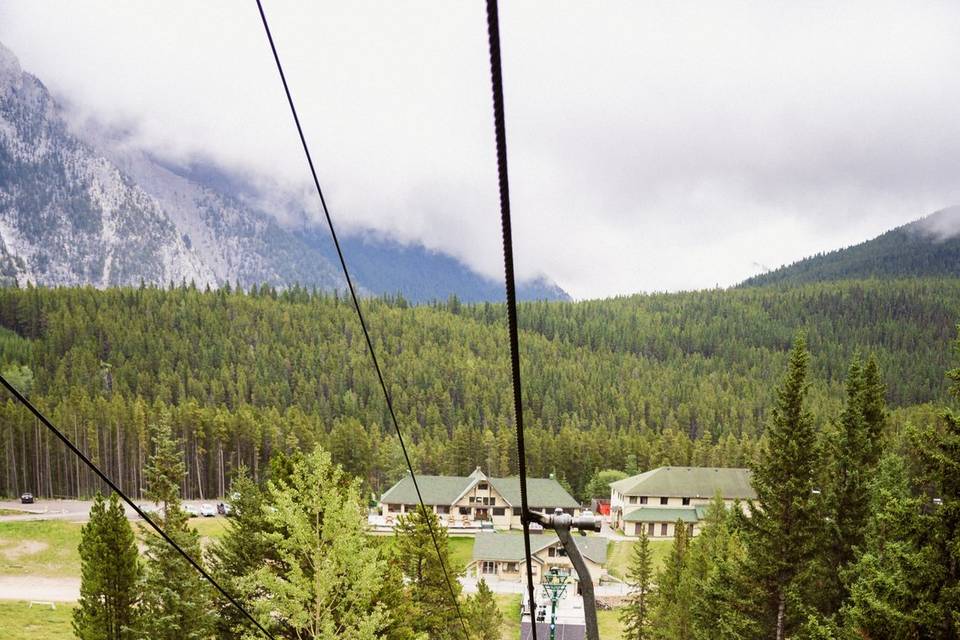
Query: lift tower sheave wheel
column 562, row 523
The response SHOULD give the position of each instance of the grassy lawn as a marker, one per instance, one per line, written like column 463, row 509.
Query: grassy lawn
column 49, row 547
column 609, row 625
column 509, row 605
column 461, row 551
column 12, row 512
column 39, row 548
column 618, row 555
column 19, row 621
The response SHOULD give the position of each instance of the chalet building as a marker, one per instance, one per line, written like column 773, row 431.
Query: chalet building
column 500, row 557
column 473, row 502
column 654, row 501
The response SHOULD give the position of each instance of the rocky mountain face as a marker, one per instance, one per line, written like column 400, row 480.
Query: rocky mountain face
column 81, row 207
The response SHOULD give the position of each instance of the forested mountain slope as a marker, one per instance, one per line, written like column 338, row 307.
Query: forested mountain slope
column 669, row 378
column 924, row 248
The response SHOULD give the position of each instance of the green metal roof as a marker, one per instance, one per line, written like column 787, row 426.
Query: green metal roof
column 689, row 482
column 434, row 489
column 444, row 490
column 663, row 514
column 541, row 492
column 508, row 547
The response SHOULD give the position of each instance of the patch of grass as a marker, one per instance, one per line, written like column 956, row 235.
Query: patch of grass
column 210, row 528
column 509, row 605
column 461, row 551
column 12, row 512
column 40, row 548
column 19, row 621
column 608, row 624
column 619, row 553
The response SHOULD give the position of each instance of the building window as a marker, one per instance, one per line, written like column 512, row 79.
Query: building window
column 409, row 508
column 690, row 530
column 643, row 499
column 664, row 500
column 552, row 552
column 650, row 529
column 499, row 511
column 393, row 508
column 633, row 499
column 663, row 528
column 488, row 567
column 511, row 567
column 464, row 511
column 482, row 486
column 442, row 508
column 686, row 501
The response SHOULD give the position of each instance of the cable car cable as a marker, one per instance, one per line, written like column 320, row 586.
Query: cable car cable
column 42, row 418
column 496, row 78
column 363, row 324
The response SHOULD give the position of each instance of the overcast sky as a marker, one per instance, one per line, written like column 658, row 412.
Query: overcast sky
column 653, row 146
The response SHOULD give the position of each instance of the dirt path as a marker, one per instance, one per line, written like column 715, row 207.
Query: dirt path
column 41, row 589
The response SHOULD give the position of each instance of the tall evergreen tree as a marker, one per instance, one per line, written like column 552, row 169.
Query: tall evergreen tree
column 323, row 578
column 243, row 549
column 436, row 614
column 888, row 582
column 851, row 448
column 635, row 614
column 484, row 619
column 784, row 519
column 109, row 575
column 177, row 603
column 672, row 616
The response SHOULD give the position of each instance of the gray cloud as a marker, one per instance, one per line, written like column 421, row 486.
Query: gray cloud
column 653, row 145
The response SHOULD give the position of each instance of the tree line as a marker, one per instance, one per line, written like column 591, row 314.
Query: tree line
column 628, row 383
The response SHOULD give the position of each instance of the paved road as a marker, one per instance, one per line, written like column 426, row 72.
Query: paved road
column 72, row 510
column 40, row 589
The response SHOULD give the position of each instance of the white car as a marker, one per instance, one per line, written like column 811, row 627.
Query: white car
column 191, row 510
column 207, row 510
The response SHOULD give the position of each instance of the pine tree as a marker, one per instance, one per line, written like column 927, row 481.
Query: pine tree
column 177, row 603
column 323, row 578
column 886, row 583
column 484, row 619
column 672, row 613
column 429, row 592
column 784, row 518
column 109, row 575
column 850, row 458
column 635, row 614
column 241, row 551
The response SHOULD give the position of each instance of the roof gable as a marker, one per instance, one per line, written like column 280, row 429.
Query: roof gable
column 689, row 482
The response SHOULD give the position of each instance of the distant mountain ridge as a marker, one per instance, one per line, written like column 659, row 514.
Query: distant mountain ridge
column 927, row 247
column 81, row 207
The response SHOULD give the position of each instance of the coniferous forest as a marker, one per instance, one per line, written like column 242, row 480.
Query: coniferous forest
column 627, row 384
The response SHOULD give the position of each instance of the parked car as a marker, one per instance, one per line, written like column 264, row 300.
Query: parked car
column 191, row 510
column 149, row 509
column 207, row 510
column 26, row 498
